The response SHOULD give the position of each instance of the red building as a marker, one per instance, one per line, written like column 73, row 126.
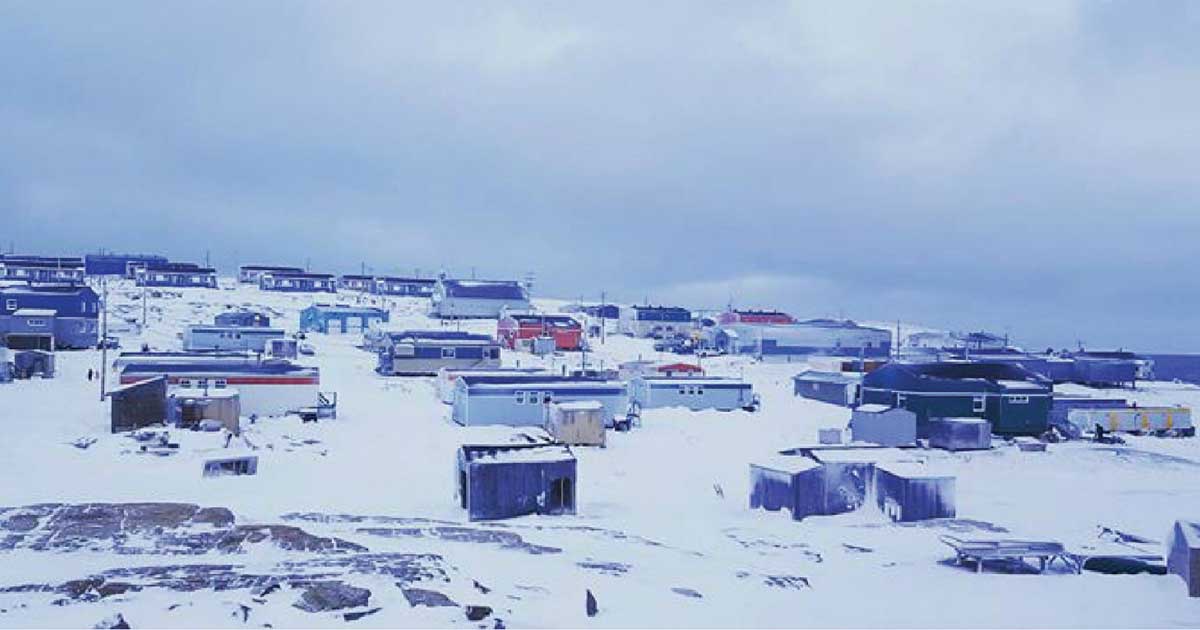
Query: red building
column 680, row 369
column 567, row 333
column 756, row 317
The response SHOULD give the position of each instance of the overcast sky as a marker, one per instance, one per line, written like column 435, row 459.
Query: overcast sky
column 1029, row 168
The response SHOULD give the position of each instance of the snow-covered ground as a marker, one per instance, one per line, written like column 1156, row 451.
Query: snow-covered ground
column 663, row 535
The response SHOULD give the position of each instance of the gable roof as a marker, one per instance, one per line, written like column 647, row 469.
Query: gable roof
column 484, row 289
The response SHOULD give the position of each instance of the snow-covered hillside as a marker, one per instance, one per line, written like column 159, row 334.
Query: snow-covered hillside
column 663, row 535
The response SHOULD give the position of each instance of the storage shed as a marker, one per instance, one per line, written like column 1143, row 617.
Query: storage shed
column 30, row 329
column 1015, row 400
column 1183, row 555
column 695, row 393
column 189, row 408
column 836, row 388
column 793, row 482
column 202, row 337
column 908, row 492
column 576, row 423
column 1098, row 370
column 139, row 404
column 30, row 363
column 506, row 481
column 520, row 400
column 336, row 319
column 884, row 425
column 477, row 299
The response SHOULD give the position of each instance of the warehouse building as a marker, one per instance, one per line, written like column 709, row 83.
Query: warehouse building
column 1015, row 400
column 338, row 319
column 175, row 275
column 477, row 299
column 67, row 314
column 297, row 282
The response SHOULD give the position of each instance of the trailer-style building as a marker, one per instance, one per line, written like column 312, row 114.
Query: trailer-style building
column 41, row 269
column 403, row 287
column 175, row 275
column 252, row 274
column 829, row 337
column 655, row 321
column 122, row 265
column 521, row 401
column 836, row 388
column 477, row 299
column 336, row 319
column 1015, row 400
column 695, row 393
column 267, row 388
column 201, row 337
column 69, row 313
column 293, row 282
column 355, row 282
column 425, row 352
column 448, row 376
column 509, row 480
column 515, row 328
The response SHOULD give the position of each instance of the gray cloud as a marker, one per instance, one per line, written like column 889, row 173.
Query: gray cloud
column 1019, row 165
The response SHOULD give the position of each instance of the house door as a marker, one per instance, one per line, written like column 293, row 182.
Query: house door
column 561, row 496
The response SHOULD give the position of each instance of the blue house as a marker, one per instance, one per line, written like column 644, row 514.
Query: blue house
column 293, row 282
column 68, row 313
column 405, row 287
column 176, row 275
column 123, row 265
column 655, row 321
column 41, row 269
column 509, row 480
column 477, row 299
column 425, row 352
column 336, row 319
column 1015, row 400
column 242, row 318
column 603, row 311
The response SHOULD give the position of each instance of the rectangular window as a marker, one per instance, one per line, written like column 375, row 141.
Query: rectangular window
column 221, row 383
column 979, row 404
column 682, row 390
column 10, row 305
column 37, row 323
column 83, row 307
column 1019, row 400
column 202, row 382
column 183, row 382
column 447, row 353
column 520, row 398
column 901, row 399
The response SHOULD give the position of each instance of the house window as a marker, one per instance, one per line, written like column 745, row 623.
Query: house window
column 520, row 398
column 83, row 307
column 682, row 390
column 37, row 323
column 10, row 305
column 447, row 353
column 494, row 353
column 699, row 390
column 221, row 383
column 203, row 382
column 901, row 399
column 183, row 382
column 979, row 404
column 1018, row 400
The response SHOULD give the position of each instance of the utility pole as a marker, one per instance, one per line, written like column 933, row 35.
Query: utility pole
column 603, row 323
column 207, row 265
column 103, row 336
column 144, row 309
